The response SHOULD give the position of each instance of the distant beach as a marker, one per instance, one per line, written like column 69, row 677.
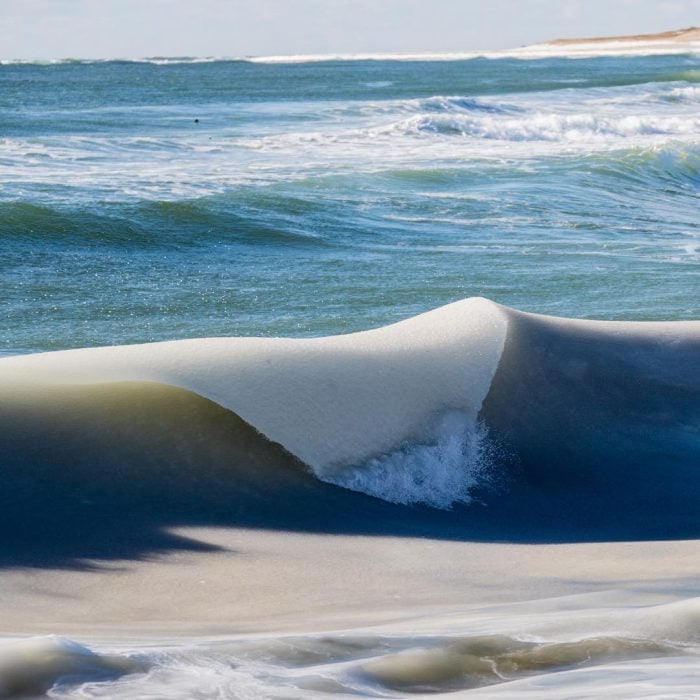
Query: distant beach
column 689, row 35
column 677, row 41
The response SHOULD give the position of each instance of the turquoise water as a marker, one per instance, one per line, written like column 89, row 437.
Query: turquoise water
column 158, row 200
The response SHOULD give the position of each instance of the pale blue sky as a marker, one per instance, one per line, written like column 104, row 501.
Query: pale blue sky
column 134, row 28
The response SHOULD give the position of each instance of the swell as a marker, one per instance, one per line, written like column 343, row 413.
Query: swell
column 272, row 217
column 162, row 224
column 674, row 165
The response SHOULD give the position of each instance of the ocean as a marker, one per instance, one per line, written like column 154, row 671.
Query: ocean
column 344, row 377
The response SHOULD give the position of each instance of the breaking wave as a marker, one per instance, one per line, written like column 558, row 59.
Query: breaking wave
column 465, row 104
column 584, row 414
column 439, row 473
column 550, row 127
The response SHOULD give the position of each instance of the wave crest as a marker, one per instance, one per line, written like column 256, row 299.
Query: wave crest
column 441, row 103
column 548, row 127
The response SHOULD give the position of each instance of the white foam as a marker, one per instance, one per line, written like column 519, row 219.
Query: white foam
column 669, row 678
column 316, row 665
column 334, row 401
column 424, row 56
column 689, row 93
column 551, row 127
column 155, row 60
column 532, row 52
column 438, row 473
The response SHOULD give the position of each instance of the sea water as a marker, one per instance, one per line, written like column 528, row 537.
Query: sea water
column 157, row 200
column 167, row 199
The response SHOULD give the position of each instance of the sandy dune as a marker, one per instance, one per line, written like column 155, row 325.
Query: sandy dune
column 690, row 34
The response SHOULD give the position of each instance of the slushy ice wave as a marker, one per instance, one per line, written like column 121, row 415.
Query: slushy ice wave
column 474, row 483
column 472, row 403
column 645, row 650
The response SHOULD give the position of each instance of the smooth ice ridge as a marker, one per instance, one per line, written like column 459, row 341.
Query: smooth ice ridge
column 332, row 402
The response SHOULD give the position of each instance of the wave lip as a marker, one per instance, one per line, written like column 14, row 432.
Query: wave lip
column 332, row 402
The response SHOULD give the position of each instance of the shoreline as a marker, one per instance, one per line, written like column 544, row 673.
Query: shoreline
column 672, row 41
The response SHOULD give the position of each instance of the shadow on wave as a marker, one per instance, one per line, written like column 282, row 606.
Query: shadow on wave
column 101, row 472
column 604, row 418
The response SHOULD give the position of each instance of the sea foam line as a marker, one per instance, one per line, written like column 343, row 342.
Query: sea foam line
column 531, row 52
